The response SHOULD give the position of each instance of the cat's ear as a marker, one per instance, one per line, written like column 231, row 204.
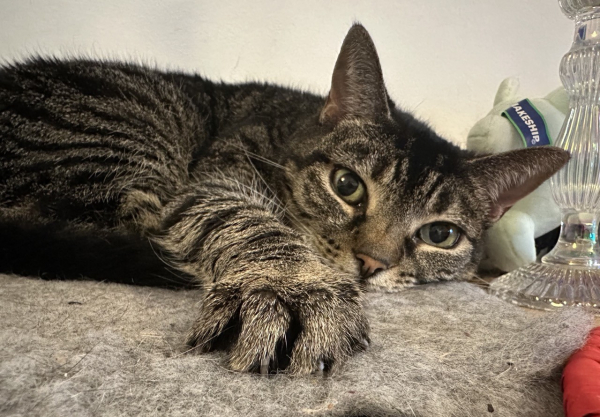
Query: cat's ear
column 357, row 88
column 507, row 177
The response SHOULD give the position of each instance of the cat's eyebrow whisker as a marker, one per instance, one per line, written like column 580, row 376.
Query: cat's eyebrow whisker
column 265, row 160
column 256, row 156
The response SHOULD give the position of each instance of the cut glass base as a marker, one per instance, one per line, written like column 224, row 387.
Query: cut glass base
column 549, row 286
column 570, row 274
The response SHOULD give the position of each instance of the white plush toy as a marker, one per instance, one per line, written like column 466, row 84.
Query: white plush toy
column 510, row 243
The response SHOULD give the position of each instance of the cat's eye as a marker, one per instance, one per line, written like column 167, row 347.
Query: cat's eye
column 348, row 186
column 440, row 234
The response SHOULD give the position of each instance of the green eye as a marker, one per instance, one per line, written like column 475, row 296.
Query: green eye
column 440, row 234
column 348, row 186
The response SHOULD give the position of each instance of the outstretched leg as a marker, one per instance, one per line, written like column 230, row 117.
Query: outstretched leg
column 269, row 299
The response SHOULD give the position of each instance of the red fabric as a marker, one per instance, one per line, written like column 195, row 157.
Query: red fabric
column 581, row 380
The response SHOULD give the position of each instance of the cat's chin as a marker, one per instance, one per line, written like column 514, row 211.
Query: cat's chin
column 390, row 281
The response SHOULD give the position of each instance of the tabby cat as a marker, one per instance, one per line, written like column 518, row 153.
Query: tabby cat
column 281, row 204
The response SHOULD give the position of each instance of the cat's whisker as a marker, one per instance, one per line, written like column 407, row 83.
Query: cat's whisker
column 477, row 280
column 272, row 199
column 259, row 175
column 257, row 157
column 170, row 263
column 257, row 187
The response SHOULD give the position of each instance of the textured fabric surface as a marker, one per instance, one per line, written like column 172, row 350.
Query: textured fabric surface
column 96, row 349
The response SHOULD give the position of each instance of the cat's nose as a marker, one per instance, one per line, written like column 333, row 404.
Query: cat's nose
column 370, row 265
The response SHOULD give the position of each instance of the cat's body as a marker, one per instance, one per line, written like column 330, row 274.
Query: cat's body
column 279, row 203
column 110, row 145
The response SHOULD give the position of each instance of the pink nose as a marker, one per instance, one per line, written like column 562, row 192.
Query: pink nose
column 370, row 265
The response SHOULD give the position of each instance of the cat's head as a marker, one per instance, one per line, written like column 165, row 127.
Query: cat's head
column 381, row 195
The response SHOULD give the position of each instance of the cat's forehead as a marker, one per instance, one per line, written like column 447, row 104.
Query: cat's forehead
column 363, row 144
column 411, row 171
column 382, row 151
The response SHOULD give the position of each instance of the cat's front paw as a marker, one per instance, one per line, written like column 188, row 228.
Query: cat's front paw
column 303, row 327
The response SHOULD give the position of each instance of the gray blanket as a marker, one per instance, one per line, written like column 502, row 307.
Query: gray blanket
column 97, row 349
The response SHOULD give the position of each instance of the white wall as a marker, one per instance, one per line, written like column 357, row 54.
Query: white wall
column 442, row 59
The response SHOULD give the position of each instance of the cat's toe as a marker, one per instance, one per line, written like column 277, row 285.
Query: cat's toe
column 328, row 340
column 216, row 326
column 263, row 338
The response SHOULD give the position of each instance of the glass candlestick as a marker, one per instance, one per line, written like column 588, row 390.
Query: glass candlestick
column 570, row 273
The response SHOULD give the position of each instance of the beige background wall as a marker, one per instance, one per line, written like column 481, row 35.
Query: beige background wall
column 441, row 58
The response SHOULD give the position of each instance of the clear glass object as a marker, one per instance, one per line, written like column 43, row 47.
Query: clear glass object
column 570, row 273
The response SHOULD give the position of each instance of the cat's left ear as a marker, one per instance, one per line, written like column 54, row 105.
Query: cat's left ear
column 509, row 176
column 357, row 88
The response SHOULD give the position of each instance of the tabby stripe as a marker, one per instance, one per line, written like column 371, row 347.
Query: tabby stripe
column 439, row 180
column 179, row 213
column 53, row 119
column 264, row 236
column 442, row 201
column 282, row 248
column 148, row 132
column 98, row 133
column 400, row 168
column 45, row 147
column 212, row 224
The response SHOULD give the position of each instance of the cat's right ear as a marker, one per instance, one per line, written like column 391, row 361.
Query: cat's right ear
column 507, row 177
column 357, row 87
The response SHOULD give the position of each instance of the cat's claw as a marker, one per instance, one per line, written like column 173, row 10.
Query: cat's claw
column 320, row 368
column 264, row 366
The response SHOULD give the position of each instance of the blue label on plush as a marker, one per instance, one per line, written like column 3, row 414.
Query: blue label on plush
column 529, row 122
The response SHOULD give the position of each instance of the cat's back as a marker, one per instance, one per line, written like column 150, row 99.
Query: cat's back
column 87, row 129
column 44, row 100
column 84, row 132
column 90, row 95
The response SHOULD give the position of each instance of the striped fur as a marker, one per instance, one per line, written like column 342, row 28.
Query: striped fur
column 122, row 172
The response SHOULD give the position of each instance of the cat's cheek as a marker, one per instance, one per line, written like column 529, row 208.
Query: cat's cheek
column 391, row 280
column 437, row 264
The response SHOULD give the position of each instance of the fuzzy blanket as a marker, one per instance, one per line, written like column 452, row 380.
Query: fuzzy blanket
column 97, row 349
